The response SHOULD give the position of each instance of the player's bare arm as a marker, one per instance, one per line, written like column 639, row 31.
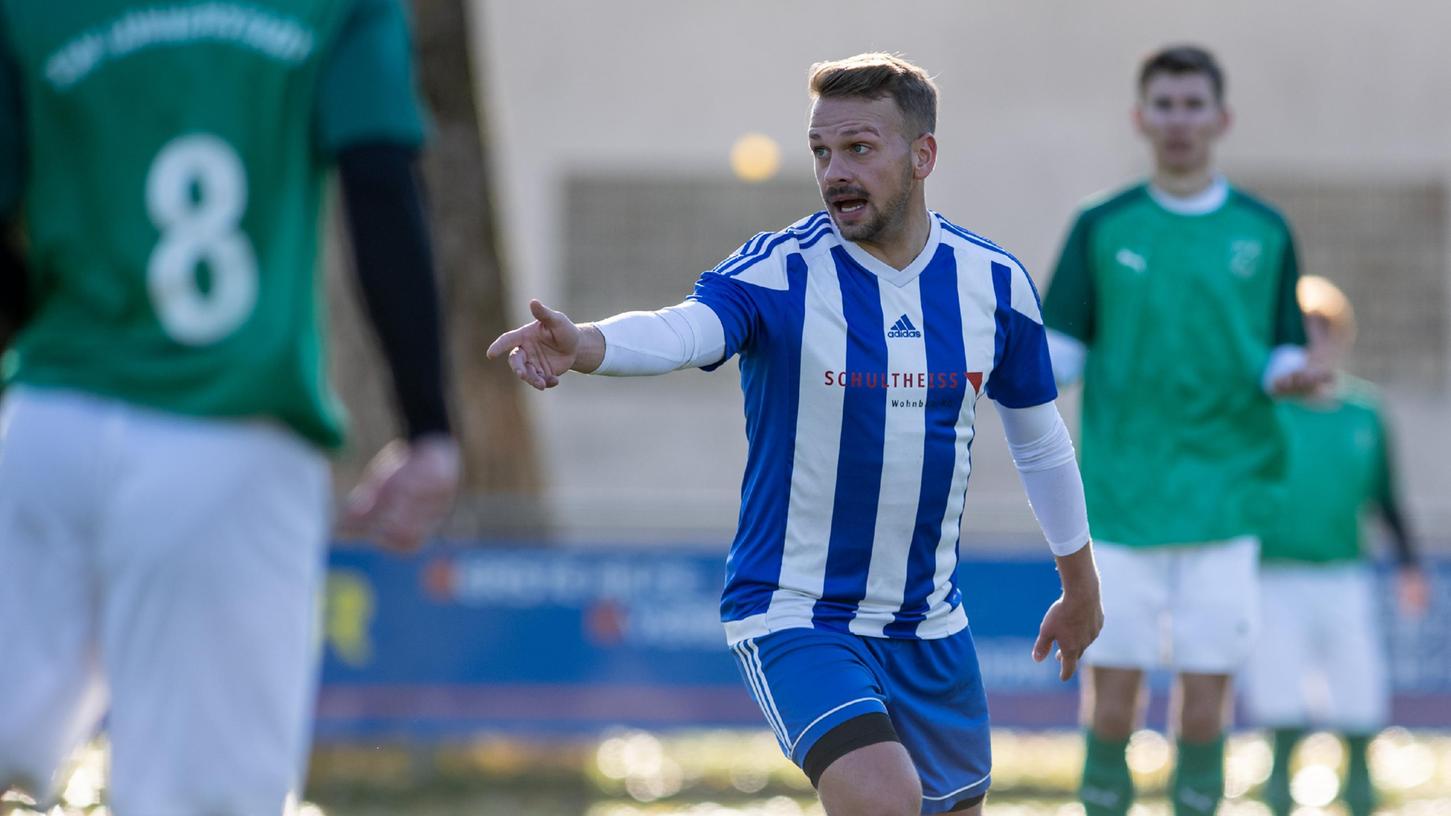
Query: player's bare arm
column 632, row 344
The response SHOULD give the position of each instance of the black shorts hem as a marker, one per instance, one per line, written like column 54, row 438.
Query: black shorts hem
column 857, row 732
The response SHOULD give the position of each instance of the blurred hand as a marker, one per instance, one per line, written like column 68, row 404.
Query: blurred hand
column 541, row 351
column 1412, row 591
column 1075, row 619
column 405, row 492
column 1302, row 382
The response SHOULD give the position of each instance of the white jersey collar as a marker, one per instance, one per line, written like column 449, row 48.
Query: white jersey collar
column 896, row 277
column 1204, row 202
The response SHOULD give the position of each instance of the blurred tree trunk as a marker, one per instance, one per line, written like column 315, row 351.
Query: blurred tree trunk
column 498, row 443
column 501, row 467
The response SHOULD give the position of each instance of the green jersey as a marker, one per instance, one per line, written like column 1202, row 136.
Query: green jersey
column 1340, row 464
column 1180, row 314
column 167, row 163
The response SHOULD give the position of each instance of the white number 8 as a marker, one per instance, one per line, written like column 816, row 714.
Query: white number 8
column 196, row 193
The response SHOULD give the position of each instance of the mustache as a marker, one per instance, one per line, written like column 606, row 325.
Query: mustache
column 845, row 192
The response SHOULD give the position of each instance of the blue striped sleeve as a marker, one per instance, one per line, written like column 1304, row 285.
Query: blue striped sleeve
column 1022, row 373
column 731, row 301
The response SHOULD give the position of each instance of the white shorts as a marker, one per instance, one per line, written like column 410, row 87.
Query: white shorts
column 1319, row 661
column 171, row 565
column 1189, row 607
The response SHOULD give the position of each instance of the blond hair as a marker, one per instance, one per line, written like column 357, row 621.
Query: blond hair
column 874, row 76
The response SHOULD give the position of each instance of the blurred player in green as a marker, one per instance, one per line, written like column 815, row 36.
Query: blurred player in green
column 164, row 494
column 1174, row 300
column 1319, row 660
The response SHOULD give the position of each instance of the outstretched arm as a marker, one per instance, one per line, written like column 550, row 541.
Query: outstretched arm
column 541, row 351
column 630, row 344
column 1043, row 454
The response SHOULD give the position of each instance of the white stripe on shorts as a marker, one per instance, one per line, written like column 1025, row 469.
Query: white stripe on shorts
column 757, row 681
column 959, row 791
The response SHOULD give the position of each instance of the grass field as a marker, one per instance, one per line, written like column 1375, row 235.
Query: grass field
column 734, row 773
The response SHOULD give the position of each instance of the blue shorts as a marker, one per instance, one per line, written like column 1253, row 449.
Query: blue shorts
column 809, row 681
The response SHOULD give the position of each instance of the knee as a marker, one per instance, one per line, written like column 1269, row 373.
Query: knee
column 1112, row 718
column 1202, row 720
column 895, row 793
column 901, row 796
column 1111, row 699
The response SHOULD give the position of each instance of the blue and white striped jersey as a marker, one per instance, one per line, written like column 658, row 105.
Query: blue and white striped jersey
column 861, row 383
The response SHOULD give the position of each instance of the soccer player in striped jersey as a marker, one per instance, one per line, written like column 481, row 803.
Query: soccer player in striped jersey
column 1317, row 588
column 1174, row 300
column 164, row 493
column 866, row 335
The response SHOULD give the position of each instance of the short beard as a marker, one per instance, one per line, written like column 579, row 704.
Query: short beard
column 890, row 216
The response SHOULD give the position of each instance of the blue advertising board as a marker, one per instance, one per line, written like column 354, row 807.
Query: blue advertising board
column 455, row 641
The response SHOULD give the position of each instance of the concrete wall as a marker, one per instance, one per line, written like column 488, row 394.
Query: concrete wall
column 1036, row 96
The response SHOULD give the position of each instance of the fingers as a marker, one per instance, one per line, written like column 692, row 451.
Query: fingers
column 508, row 341
column 530, row 347
column 550, row 318
column 529, row 371
column 402, row 519
column 1067, row 658
column 1068, row 664
column 1042, row 645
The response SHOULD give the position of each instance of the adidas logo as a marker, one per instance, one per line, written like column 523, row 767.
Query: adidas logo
column 903, row 328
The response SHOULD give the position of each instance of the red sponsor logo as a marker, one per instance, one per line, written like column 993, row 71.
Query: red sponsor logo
column 903, row 379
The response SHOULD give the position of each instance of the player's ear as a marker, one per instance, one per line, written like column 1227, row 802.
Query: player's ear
column 1226, row 118
column 924, row 156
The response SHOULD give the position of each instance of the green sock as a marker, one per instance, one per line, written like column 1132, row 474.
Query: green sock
column 1198, row 782
column 1108, row 787
column 1359, row 792
column 1276, row 793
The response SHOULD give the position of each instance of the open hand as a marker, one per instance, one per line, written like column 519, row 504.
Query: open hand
column 540, row 351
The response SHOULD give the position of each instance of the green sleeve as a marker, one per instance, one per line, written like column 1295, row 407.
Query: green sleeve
column 368, row 91
column 12, row 130
column 1069, row 305
column 1289, row 320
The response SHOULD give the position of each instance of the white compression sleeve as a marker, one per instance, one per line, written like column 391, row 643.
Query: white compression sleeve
column 1068, row 354
column 686, row 335
column 1043, row 453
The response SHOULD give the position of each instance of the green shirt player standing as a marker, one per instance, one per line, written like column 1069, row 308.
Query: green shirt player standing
column 163, row 495
column 1174, row 300
column 1321, row 613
